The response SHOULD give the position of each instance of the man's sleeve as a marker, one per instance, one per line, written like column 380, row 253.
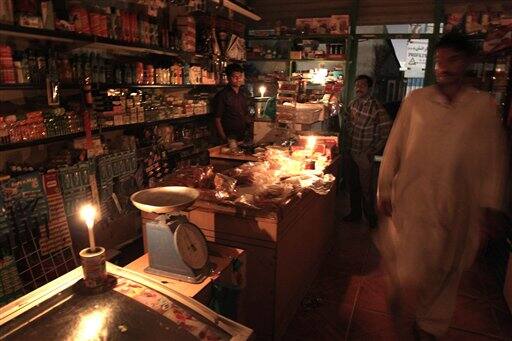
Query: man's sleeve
column 393, row 152
column 382, row 129
column 218, row 105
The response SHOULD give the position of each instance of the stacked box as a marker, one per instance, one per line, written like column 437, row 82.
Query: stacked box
column 187, row 29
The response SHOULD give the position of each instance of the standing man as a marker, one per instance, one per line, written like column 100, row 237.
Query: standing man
column 443, row 172
column 367, row 128
column 231, row 107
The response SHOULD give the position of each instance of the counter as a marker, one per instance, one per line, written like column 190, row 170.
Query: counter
column 285, row 247
column 228, row 268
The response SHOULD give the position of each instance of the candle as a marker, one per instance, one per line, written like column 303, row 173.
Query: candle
column 88, row 214
column 263, row 89
column 311, row 143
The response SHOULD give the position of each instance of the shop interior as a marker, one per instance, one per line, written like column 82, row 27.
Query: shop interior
column 125, row 212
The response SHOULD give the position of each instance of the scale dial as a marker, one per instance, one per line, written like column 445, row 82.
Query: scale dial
column 191, row 245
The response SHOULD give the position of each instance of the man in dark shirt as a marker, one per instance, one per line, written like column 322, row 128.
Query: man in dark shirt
column 231, row 106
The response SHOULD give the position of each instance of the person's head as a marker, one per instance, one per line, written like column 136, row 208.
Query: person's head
column 235, row 75
column 363, row 85
column 452, row 58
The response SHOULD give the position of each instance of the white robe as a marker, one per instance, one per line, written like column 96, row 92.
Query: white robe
column 442, row 163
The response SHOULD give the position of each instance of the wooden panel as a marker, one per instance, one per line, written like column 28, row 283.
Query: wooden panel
column 371, row 12
column 236, row 226
column 299, row 256
column 451, row 6
column 260, row 290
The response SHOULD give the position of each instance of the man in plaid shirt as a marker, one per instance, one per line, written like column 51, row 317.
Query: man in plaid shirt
column 367, row 129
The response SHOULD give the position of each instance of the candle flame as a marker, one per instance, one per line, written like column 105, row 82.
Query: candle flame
column 263, row 89
column 311, row 142
column 88, row 214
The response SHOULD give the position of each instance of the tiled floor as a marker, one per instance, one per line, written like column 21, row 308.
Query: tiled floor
column 347, row 300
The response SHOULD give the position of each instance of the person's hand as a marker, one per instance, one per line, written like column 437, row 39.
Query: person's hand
column 384, row 205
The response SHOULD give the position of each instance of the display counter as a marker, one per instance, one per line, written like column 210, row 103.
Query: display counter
column 285, row 246
column 134, row 308
column 228, row 271
column 222, row 160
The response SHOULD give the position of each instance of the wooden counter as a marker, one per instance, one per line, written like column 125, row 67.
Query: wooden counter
column 222, row 259
column 221, row 161
column 285, row 248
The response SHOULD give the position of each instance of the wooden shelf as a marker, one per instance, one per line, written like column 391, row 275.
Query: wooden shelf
column 21, row 87
column 277, row 60
column 302, row 37
column 106, row 86
column 24, row 144
column 296, row 60
column 90, row 41
column 157, row 86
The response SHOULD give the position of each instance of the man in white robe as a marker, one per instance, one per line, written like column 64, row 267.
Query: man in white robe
column 444, row 165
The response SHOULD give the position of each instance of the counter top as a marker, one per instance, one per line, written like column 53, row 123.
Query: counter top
column 216, row 152
column 220, row 256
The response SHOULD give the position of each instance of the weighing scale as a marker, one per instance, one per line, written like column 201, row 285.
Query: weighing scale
column 176, row 247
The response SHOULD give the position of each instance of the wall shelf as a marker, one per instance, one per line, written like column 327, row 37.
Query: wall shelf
column 83, row 40
column 107, row 86
column 296, row 60
column 60, row 138
column 323, row 37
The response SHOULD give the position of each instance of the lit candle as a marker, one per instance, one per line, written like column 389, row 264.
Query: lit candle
column 88, row 214
column 263, row 89
column 311, row 143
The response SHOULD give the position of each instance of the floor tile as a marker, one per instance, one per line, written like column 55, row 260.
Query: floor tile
column 476, row 316
column 374, row 294
column 350, row 298
column 312, row 326
column 472, row 286
column 463, row 335
column 371, row 325
column 504, row 320
column 338, row 288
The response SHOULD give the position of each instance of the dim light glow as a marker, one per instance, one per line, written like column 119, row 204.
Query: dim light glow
column 88, row 215
column 311, row 143
column 93, row 326
column 319, row 76
column 263, row 89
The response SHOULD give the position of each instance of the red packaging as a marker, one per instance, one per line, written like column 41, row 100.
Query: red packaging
column 98, row 24
column 125, row 25
column 139, row 73
column 150, row 75
column 134, row 28
column 80, row 18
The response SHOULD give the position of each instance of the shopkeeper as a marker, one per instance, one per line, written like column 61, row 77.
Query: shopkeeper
column 231, row 107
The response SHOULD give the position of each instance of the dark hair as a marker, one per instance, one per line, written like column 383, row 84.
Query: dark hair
column 232, row 68
column 368, row 79
column 458, row 42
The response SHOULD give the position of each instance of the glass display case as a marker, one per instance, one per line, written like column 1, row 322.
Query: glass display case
column 136, row 308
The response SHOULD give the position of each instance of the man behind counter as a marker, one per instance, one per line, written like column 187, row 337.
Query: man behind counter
column 231, row 107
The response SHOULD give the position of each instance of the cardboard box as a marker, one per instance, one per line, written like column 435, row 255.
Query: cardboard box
column 295, row 54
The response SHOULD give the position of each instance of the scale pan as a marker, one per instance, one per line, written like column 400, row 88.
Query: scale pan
column 164, row 199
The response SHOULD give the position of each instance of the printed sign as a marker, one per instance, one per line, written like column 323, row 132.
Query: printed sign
column 417, row 53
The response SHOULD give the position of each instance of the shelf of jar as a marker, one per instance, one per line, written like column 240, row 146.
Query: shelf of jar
column 301, row 36
column 60, row 138
column 104, row 86
column 296, row 60
column 91, row 41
